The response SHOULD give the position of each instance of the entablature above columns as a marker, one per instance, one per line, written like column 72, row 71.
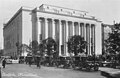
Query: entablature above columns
column 67, row 20
column 46, row 15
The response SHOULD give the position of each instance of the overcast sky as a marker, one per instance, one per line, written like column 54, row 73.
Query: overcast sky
column 106, row 10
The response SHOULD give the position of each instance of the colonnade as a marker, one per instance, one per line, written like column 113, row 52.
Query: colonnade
column 62, row 30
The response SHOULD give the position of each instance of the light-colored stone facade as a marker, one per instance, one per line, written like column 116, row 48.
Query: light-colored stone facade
column 60, row 24
column 16, row 30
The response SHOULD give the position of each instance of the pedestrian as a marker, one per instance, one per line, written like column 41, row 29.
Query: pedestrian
column 38, row 62
column 3, row 63
column 30, row 62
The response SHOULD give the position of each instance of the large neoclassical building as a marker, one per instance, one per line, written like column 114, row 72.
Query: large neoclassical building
column 51, row 21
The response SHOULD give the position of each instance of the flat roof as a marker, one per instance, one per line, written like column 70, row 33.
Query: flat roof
column 64, row 8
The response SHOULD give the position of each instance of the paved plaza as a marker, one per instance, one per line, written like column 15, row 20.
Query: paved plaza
column 24, row 71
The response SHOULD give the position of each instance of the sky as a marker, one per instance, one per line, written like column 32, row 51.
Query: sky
column 105, row 10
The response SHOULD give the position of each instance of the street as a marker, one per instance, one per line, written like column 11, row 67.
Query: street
column 24, row 71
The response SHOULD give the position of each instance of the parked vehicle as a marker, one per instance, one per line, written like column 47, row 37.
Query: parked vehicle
column 63, row 61
column 21, row 59
column 8, row 61
column 15, row 61
column 7, row 58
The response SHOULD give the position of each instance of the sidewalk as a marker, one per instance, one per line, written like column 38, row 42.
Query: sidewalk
column 110, row 72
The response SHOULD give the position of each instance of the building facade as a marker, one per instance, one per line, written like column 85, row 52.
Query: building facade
column 56, row 22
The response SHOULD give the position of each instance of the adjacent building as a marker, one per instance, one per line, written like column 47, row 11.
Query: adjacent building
column 60, row 23
column 17, row 30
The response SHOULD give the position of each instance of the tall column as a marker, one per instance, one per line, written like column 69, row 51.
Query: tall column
column 46, row 28
column 49, row 28
column 60, row 36
column 82, row 29
column 94, row 36
column 85, row 36
column 39, row 29
column 56, row 30
column 67, row 31
column 70, row 29
column 42, row 29
column 93, row 40
column 86, row 25
column 85, row 32
column 76, row 27
column 64, row 36
column 90, row 38
column 73, row 28
column 53, row 26
column 79, row 28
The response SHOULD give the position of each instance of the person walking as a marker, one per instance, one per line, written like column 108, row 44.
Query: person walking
column 38, row 61
column 4, row 63
column 30, row 61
